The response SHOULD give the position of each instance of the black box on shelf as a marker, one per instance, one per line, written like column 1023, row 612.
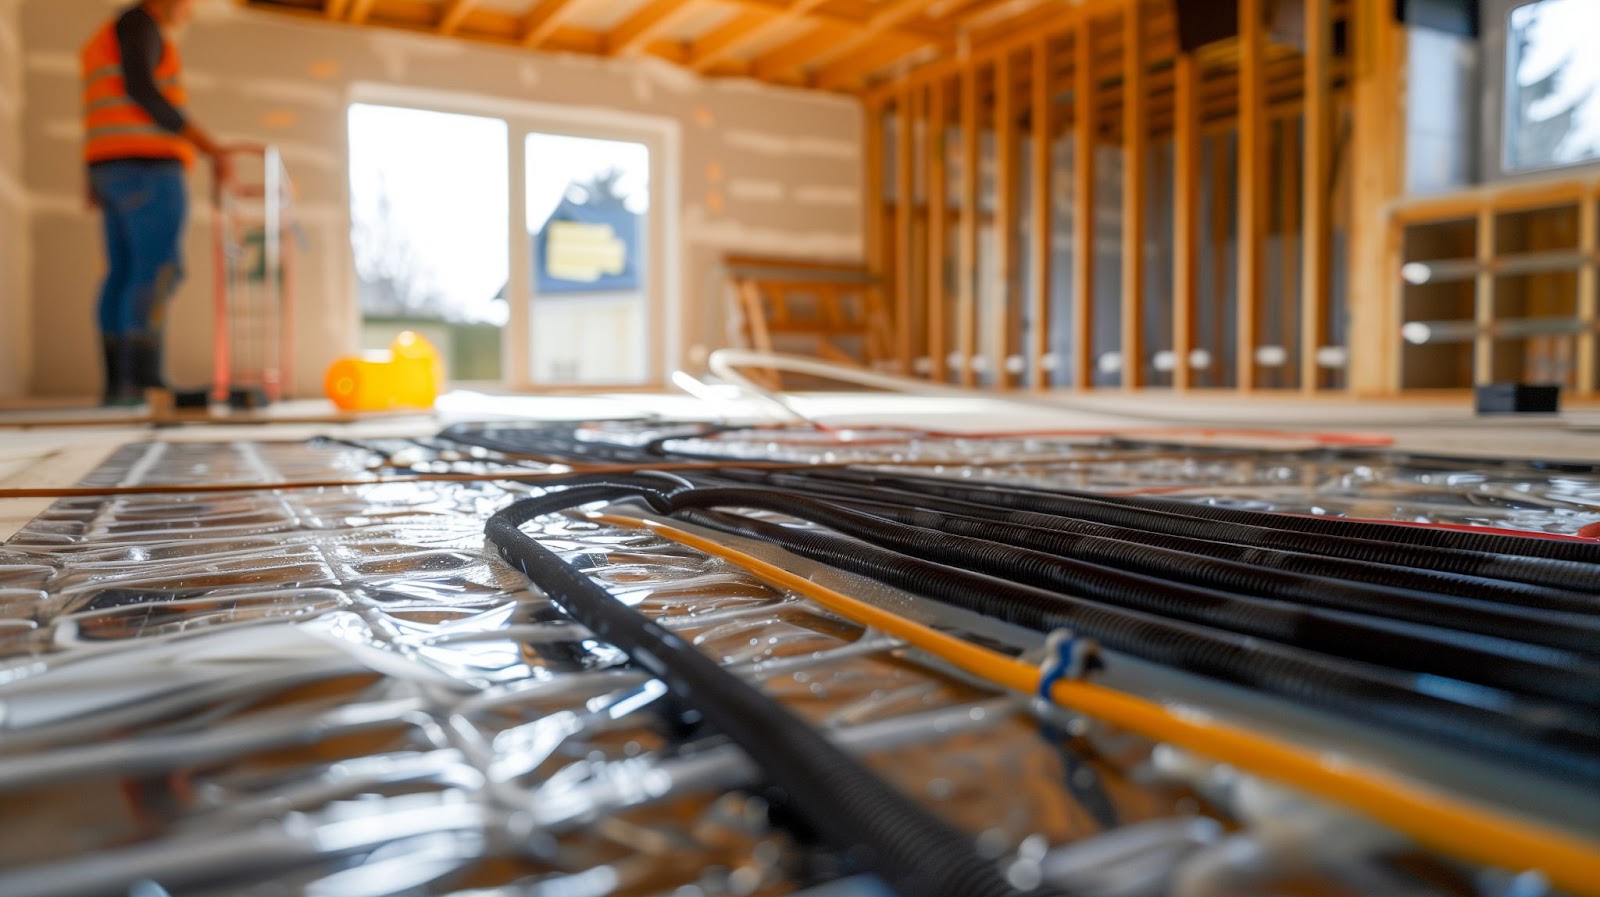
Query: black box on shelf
column 1519, row 398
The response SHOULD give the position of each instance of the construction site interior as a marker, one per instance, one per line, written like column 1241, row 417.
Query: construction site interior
column 833, row 448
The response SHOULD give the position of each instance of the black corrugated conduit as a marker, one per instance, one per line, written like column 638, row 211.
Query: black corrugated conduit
column 1556, row 629
column 851, row 807
column 1487, row 660
column 1559, row 574
column 1492, row 543
column 1476, row 589
column 1469, row 717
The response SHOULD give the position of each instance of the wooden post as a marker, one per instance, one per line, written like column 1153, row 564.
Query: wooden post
column 1185, row 214
column 1289, row 214
column 1135, row 163
column 1588, row 301
column 1377, row 145
column 1220, row 192
column 1252, row 187
column 938, row 282
column 1039, row 242
column 966, row 300
column 872, row 181
column 1483, row 300
column 1083, row 208
column 1316, row 213
column 1005, row 213
column 904, row 202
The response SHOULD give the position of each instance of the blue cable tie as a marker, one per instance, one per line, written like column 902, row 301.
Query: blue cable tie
column 1061, row 648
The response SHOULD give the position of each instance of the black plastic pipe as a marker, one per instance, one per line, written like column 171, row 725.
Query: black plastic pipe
column 1516, row 667
column 855, row 810
column 1474, row 718
column 1559, row 574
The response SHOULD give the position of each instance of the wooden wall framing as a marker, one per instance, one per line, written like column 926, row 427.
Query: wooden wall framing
column 1103, row 83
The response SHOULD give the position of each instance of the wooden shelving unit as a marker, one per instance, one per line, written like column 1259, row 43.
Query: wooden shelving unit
column 1499, row 285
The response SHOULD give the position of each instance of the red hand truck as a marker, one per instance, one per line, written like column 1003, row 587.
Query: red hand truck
column 253, row 256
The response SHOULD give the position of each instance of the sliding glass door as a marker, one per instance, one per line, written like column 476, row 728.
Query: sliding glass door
column 588, row 230
column 527, row 241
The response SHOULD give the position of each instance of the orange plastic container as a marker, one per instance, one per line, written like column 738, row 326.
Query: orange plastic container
column 409, row 375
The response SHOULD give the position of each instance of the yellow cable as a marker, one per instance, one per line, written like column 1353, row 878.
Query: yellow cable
column 1439, row 821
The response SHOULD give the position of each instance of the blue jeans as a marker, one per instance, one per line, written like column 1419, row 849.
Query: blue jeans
column 145, row 204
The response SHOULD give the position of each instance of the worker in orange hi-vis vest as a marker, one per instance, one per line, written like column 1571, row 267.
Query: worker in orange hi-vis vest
column 139, row 143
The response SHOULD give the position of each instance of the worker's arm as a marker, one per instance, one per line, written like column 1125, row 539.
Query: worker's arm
column 142, row 45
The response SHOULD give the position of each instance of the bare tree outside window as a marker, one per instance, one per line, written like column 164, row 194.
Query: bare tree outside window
column 392, row 278
column 429, row 213
column 1553, row 84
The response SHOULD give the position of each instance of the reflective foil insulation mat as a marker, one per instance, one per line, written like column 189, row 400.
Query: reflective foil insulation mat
column 344, row 690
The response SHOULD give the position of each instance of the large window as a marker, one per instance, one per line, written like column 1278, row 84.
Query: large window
column 1552, row 84
column 527, row 242
column 429, row 207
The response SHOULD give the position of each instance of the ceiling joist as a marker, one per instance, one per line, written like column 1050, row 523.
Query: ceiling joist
column 455, row 13
column 838, row 45
column 894, row 14
column 645, row 25
column 543, row 20
column 360, row 10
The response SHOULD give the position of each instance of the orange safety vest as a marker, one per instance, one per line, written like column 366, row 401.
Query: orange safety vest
column 117, row 127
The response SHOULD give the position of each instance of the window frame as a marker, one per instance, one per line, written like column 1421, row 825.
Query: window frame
column 1496, row 125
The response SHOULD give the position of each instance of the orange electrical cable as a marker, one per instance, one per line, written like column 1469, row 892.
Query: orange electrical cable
column 1433, row 819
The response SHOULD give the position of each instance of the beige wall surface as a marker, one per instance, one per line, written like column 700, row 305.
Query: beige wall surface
column 15, row 302
column 762, row 170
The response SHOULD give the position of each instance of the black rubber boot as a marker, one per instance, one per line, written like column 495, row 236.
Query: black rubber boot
column 148, row 370
column 121, row 388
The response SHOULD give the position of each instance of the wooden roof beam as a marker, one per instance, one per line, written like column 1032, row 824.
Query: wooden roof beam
column 1058, row 23
column 846, row 73
column 823, row 15
column 455, row 12
column 360, row 10
column 802, row 51
column 712, row 47
column 543, row 21
column 820, row 50
column 639, row 30
column 743, row 30
column 978, row 16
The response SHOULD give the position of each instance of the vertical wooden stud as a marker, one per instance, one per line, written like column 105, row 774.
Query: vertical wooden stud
column 1316, row 213
column 904, row 203
column 1289, row 215
column 1039, row 240
column 1588, row 301
column 1185, row 214
column 1083, row 208
column 1005, row 212
column 1252, row 188
column 1135, row 166
column 966, row 297
column 872, row 184
column 1377, row 146
column 938, row 282
column 1484, row 300
column 1221, row 190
